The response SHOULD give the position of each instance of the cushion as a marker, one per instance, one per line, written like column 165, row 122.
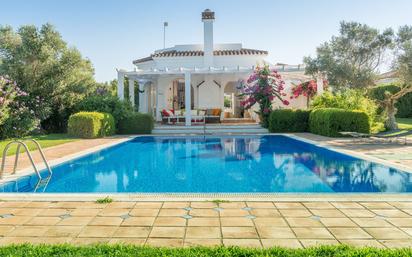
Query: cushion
column 178, row 112
column 216, row 112
column 193, row 112
column 209, row 112
column 165, row 113
column 202, row 112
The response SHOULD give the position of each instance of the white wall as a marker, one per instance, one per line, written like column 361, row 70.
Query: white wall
column 209, row 93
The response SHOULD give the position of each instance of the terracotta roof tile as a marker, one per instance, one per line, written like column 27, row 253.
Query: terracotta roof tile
column 174, row 53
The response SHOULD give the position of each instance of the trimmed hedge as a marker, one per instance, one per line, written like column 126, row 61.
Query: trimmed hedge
column 127, row 250
column 287, row 120
column 136, row 123
column 404, row 104
column 330, row 121
column 91, row 124
column 106, row 104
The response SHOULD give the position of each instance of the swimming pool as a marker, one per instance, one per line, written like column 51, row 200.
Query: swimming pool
column 229, row 164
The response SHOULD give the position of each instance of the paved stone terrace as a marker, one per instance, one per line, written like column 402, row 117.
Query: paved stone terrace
column 176, row 224
column 395, row 152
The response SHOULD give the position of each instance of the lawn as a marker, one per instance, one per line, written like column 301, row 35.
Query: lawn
column 44, row 140
column 136, row 251
column 405, row 123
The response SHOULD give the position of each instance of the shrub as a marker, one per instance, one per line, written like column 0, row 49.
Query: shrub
column 136, row 123
column 404, row 104
column 330, row 121
column 91, row 124
column 19, row 112
column 287, row 120
column 106, row 104
column 352, row 100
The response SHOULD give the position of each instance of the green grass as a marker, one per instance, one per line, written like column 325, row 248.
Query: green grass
column 404, row 123
column 136, row 251
column 44, row 140
column 104, row 200
column 218, row 201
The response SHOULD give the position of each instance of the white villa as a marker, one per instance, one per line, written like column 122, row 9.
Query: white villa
column 200, row 76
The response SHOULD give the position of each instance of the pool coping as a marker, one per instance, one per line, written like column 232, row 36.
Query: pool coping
column 287, row 197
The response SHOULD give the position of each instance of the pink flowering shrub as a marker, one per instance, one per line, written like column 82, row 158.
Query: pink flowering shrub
column 308, row 89
column 17, row 115
column 262, row 87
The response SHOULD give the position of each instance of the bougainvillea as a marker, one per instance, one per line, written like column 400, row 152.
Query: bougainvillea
column 308, row 89
column 262, row 87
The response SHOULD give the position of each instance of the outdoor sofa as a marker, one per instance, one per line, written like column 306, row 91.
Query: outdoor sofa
column 198, row 116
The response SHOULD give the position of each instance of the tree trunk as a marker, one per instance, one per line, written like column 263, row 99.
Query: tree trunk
column 390, row 122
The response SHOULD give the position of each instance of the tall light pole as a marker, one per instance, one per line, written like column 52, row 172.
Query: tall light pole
column 165, row 24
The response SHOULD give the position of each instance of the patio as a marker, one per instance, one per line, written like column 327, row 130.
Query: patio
column 249, row 224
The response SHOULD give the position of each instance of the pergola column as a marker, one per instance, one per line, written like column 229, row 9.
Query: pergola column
column 142, row 97
column 188, row 99
column 120, row 85
column 131, row 90
column 157, row 111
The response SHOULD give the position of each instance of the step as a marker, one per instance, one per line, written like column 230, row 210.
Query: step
column 211, row 126
column 238, row 121
column 210, row 129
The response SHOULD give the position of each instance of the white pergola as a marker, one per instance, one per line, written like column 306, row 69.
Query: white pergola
column 151, row 77
column 144, row 77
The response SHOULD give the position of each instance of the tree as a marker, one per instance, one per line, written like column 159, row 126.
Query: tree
column 351, row 59
column 42, row 64
column 403, row 66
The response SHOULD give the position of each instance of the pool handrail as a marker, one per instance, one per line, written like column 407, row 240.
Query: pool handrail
column 19, row 144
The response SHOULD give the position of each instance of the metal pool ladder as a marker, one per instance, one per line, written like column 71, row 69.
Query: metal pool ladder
column 21, row 143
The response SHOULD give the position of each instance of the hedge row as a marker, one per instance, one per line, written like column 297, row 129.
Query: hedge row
column 321, row 121
column 330, row 121
column 287, row 120
column 91, row 124
column 96, row 124
column 125, row 250
column 404, row 104
column 136, row 123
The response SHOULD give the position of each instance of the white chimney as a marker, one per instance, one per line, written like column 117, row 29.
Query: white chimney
column 208, row 17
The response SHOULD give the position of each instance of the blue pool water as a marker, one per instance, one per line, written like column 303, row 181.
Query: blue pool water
column 246, row 164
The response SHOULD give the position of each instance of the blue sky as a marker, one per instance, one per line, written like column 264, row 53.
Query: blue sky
column 113, row 33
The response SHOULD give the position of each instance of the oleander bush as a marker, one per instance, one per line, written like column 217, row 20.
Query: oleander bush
column 91, row 124
column 125, row 250
column 330, row 121
column 136, row 123
column 287, row 120
column 404, row 104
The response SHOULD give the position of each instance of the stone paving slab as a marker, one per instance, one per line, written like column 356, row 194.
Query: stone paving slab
column 178, row 224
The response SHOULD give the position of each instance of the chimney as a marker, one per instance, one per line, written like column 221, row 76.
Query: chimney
column 208, row 17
